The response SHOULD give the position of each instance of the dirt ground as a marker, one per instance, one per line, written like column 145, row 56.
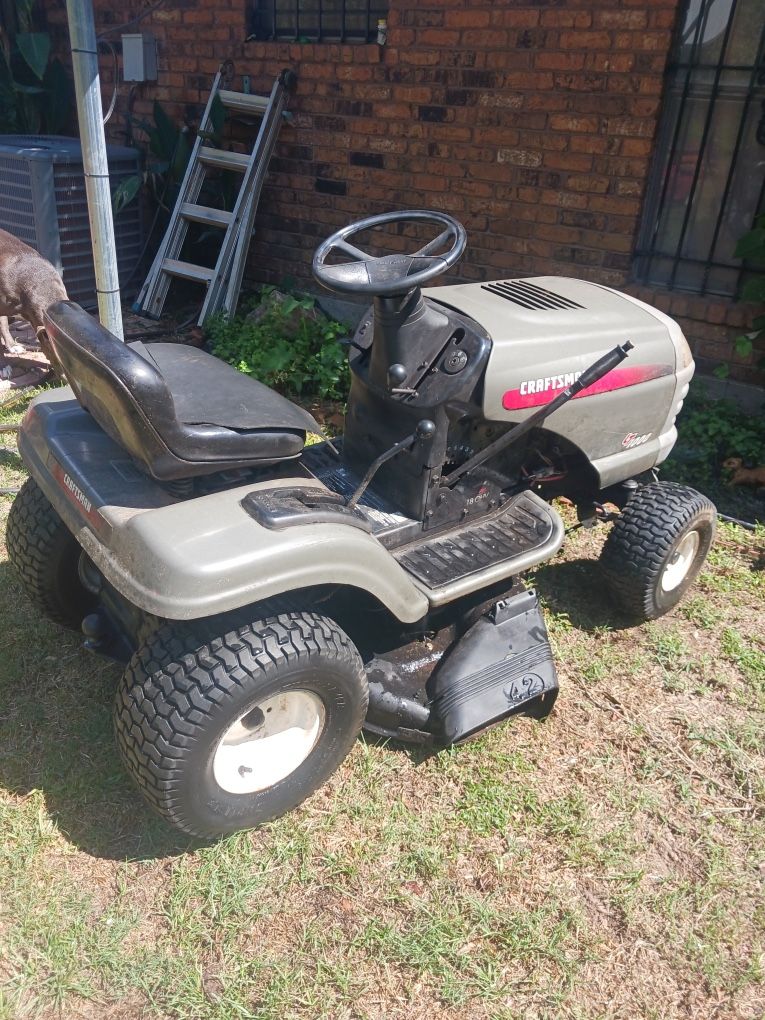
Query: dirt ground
column 606, row 863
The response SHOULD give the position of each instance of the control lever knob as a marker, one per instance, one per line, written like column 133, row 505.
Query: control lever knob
column 396, row 375
column 425, row 430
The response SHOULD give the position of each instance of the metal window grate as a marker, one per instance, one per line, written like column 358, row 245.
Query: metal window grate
column 708, row 179
column 529, row 295
column 317, row 20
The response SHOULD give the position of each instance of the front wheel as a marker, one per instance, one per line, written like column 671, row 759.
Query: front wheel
column 657, row 547
column 226, row 727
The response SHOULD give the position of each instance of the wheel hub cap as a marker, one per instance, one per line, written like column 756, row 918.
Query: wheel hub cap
column 680, row 562
column 268, row 742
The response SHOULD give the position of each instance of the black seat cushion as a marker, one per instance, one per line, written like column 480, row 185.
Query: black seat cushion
column 207, row 391
column 179, row 411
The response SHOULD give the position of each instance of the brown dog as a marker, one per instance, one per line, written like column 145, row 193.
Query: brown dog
column 28, row 285
column 743, row 475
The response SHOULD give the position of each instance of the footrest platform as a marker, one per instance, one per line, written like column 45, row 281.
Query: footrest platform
column 523, row 532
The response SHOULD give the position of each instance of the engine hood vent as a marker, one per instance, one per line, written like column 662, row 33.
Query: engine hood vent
column 529, row 295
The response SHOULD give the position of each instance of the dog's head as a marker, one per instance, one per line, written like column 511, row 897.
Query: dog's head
column 732, row 463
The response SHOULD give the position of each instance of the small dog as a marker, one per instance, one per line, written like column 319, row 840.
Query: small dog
column 743, row 475
column 28, row 285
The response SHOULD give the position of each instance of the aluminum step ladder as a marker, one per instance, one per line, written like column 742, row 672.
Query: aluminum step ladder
column 224, row 281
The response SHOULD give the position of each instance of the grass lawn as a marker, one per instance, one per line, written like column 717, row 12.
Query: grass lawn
column 608, row 863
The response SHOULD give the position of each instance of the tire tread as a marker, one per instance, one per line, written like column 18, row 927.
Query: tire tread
column 37, row 539
column 635, row 550
column 175, row 681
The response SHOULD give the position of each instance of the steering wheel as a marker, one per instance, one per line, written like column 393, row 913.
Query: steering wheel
column 389, row 274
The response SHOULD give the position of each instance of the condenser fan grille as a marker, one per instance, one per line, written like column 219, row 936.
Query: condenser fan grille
column 530, row 295
column 43, row 202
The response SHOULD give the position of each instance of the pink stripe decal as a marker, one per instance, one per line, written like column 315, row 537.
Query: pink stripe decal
column 617, row 379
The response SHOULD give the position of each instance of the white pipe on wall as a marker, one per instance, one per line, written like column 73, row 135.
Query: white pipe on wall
column 82, row 34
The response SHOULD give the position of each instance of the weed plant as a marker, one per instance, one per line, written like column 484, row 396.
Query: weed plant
column 301, row 360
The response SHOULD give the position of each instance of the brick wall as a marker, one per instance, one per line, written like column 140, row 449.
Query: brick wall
column 533, row 123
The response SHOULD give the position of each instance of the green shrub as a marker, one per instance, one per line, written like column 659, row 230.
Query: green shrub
column 296, row 354
column 752, row 248
column 709, row 431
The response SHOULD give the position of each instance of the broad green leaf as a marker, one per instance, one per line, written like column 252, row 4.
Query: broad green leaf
column 126, row 191
column 754, row 289
column 27, row 90
column 181, row 155
column 35, row 49
column 217, row 115
column 60, row 102
column 743, row 345
column 166, row 134
column 24, row 9
column 751, row 245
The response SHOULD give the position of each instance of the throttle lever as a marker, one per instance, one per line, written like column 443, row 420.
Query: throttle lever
column 423, row 433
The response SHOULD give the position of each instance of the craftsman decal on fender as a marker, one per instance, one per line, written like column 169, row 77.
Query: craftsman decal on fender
column 535, row 392
column 77, row 492
column 81, row 502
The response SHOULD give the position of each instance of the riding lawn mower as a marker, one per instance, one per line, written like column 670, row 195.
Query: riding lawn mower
column 270, row 599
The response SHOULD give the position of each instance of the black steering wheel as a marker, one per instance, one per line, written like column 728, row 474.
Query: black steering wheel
column 389, row 274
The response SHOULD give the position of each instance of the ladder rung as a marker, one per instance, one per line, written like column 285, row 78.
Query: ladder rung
column 188, row 271
column 243, row 102
column 223, row 159
column 204, row 214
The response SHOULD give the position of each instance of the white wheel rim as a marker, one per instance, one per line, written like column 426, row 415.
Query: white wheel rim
column 677, row 567
column 268, row 742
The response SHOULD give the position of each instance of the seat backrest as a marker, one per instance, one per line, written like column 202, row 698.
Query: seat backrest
column 126, row 394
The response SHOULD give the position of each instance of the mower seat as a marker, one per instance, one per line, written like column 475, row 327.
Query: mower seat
column 178, row 411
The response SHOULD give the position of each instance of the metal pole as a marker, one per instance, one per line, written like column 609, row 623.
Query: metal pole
column 82, row 33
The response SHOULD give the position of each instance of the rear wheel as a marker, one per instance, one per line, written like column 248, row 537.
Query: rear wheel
column 657, row 547
column 46, row 555
column 225, row 727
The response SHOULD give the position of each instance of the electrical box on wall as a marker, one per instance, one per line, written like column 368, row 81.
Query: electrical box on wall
column 139, row 57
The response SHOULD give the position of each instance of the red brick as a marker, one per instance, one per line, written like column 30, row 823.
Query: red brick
column 515, row 18
column 552, row 61
column 471, row 18
column 438, row 37
column 489, row 38
column 206, row 16
column 566, row 122
column 620, row 19
column 610, row 61
column 585, row 40
column 519, row 157
column 568, row 161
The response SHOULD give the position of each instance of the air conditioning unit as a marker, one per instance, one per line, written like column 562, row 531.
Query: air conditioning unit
column 42, row 202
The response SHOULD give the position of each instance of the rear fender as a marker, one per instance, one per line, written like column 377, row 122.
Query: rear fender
column 207, row 556
column 188, row 559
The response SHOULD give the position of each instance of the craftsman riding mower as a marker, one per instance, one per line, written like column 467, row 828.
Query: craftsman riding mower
column 271, row 599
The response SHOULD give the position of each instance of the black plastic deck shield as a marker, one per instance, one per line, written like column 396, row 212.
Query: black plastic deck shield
column 502, row 666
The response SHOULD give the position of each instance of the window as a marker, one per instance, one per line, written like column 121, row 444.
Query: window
column 317, row 20
column 708, row 178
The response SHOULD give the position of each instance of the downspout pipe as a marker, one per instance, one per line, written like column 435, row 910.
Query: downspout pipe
column 82, row 35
